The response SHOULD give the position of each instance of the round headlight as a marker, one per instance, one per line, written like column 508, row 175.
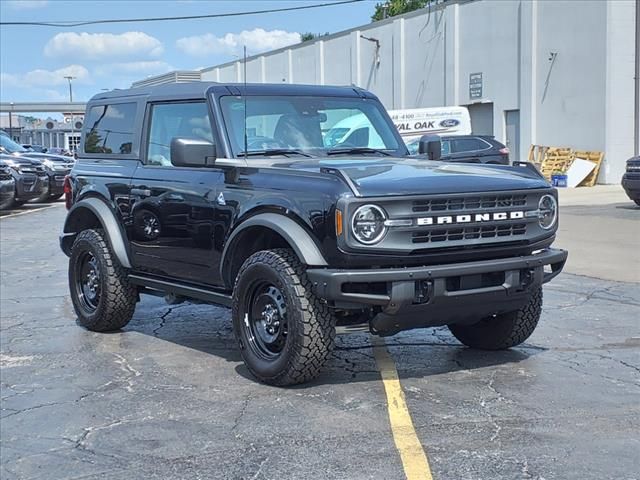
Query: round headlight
column 368, row 224
column 547, row 211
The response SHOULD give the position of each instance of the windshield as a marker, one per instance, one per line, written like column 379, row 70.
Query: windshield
column 311, row 125
column 11, row 146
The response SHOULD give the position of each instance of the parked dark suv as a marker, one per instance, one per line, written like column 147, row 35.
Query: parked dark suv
column 7, row 186
column 470, row 149
column 631, row 179
column 228, row 194
column 30, row 179
column 55, row 166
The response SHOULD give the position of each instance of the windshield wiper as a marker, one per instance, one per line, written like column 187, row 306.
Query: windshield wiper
column 274, row 151
column 355, row 150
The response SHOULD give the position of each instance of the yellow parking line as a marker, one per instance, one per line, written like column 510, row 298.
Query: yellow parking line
column 414, row 459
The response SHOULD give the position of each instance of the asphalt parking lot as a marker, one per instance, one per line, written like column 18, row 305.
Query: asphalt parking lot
column 169, row 397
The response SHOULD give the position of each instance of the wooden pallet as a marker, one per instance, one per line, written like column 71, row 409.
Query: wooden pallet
column 550, row 160
column 556, row 160
column 595, row 157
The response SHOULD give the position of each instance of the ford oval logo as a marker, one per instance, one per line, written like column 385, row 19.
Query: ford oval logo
column 449, row 122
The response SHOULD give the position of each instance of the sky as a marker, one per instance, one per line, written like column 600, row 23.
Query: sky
column 34, row 60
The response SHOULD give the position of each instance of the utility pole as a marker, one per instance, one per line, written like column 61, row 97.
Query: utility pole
column 72, row 137
column 70, row 79
column 11, row 122
column 636, row 112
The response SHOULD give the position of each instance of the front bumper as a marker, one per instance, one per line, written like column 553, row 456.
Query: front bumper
column 56, row 183
column 440, row 294
column 631, row 185
column 7, row 189
column 29, row 186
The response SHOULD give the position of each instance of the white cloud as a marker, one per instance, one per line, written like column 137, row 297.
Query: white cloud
column 27, row 4
column 256, row 40
column 151, row 67
column 46, row 78
column 99, row 46
column 55, row 95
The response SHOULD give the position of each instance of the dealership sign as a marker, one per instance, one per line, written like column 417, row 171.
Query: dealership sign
column 415, row 122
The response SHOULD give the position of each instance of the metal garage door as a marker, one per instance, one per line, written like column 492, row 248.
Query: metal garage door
column 481, row 118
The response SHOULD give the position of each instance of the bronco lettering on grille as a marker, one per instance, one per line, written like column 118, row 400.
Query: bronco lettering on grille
column 470, row 218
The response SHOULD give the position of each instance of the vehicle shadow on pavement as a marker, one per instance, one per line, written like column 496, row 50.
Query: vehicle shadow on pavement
column 417, row 354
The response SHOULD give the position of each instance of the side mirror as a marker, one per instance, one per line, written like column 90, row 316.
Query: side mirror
column 192, row 152
column 430, row 144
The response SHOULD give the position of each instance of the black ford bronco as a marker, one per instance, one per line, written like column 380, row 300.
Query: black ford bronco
column 257, row 198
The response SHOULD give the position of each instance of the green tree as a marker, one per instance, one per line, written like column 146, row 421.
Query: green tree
column 391, row 8
column 305, row 37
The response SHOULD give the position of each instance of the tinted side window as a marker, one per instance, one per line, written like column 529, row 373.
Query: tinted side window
column 175, row 120
column 467, row 145
column 110, row 128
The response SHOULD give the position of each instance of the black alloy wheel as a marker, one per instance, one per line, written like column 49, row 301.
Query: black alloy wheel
column 266, row 324
column 88, row 281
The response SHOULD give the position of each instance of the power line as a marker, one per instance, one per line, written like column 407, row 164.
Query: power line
column 75, row 23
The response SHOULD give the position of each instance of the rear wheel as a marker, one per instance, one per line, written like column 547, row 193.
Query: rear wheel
column 100, row 291
column 284, row 332
column 503, row 331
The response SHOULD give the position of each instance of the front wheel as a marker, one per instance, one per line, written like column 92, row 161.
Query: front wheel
column 502, row 331
column 100, row 291
column 284, row 332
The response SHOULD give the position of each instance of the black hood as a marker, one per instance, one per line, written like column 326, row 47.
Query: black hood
column 402, row 176
column 47, row 156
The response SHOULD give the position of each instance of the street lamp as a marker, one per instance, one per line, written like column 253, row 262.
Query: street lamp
column 72, row 137
column 11, row 122
column 70, row 79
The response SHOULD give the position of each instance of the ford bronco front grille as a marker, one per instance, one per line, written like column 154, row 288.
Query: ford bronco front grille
column 469, row 233
column 469, row 203
column 418, row 224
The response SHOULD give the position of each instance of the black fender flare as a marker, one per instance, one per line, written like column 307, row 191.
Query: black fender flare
column 110, row 225
column 296, row 236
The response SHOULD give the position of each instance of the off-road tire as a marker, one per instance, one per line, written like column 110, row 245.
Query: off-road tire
column 117, row 299
column 311, row 325
column 502, row 331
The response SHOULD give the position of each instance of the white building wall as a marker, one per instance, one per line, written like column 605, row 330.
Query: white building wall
column 619, row 101
column 570, row 93
column 583, row 99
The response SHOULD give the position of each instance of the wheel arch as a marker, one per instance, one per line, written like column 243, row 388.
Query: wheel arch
column 265, row 231
column 92, row 212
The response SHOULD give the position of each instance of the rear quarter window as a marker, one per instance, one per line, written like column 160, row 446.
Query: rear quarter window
column 109, row 129
column 468, row 145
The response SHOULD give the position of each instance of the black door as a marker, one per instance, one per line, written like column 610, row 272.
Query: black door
column 173, row 208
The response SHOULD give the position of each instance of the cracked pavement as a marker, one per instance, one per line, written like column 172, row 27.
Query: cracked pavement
column 168, row 397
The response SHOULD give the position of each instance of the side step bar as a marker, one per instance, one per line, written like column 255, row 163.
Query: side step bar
column 188, row 291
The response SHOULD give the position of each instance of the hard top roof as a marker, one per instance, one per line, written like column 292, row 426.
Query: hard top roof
column 200, row 89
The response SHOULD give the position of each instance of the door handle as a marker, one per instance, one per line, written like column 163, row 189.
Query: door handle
column 141, row 192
